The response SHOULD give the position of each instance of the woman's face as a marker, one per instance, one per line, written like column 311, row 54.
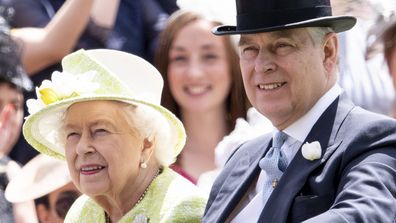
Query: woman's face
column 198, row 73
column 102, row 152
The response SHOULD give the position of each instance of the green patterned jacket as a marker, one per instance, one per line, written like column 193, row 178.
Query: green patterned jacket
column 170, row 198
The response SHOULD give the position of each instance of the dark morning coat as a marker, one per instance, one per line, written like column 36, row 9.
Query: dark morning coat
column 353, row 181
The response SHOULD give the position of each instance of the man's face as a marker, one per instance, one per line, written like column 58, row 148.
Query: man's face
column 285, row 72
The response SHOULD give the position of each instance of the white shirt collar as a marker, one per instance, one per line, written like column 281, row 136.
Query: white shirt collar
column 299, row 129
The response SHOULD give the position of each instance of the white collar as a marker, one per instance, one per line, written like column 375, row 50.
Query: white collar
column 299, row 129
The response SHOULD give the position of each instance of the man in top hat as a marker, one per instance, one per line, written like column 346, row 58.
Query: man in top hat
column 326, row 160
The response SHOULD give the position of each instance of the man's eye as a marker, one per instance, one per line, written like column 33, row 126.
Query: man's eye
column 282, row 45
column 282, row 48
column 249, row 52
column 248, row 49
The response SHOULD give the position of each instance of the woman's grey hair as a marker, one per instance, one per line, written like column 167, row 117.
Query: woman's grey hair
column 152, row 125
column 147, row 123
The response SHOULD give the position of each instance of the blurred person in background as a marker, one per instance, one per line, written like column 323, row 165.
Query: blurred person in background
column 203, row 87
column 13, row 82
column 365, row 78
column 138, row 24
column 45, row 180
column 103, row 114
column 389, row 43
column 389, row 46
column 47, row 45
column 127, row 25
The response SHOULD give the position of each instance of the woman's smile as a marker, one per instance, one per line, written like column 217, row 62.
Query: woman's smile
column 91, row 169
column 197, row 90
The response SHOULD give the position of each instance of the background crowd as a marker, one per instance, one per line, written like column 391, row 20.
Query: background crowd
column 202, row 79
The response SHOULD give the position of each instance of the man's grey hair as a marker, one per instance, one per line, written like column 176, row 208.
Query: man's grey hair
column 318, row 33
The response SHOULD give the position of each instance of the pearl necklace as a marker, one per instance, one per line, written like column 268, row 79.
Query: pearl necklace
column 107, row 217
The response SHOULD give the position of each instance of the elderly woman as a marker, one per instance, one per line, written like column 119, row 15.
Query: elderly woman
column 102, row 114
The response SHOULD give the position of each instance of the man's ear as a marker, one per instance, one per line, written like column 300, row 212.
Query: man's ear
column 42, row 213
column 330, row 50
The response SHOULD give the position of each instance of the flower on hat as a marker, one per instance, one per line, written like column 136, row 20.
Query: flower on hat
column 63, row 85
column 311, row 151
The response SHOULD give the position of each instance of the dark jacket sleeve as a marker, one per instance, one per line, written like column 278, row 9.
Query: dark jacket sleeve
column 366, row 187
column 366, row 191
column 29, row 13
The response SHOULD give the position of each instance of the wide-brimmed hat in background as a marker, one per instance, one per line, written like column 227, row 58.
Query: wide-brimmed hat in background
column 100, row 74
column 40, row 176
column 255, row 16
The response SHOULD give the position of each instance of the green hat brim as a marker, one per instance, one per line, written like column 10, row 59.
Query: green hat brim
column 55, row 111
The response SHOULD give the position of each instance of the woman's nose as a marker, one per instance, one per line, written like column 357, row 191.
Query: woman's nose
column 195, row 70
column 84, row 145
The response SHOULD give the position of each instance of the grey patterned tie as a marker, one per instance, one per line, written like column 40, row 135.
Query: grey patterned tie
column 274, row 163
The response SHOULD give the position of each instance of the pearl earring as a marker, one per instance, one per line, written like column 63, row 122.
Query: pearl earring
column 143, row 165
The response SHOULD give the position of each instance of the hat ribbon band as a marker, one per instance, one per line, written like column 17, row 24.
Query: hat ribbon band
column 280, row 17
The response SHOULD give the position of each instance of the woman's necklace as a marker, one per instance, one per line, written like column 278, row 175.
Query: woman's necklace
column 107, row 217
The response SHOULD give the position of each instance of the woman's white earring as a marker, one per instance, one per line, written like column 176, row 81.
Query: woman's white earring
column 143, row 165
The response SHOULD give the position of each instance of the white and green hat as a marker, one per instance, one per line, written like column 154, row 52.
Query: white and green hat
column 95, row 75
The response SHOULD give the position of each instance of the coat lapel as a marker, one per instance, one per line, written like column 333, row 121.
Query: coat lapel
column 325, row 131
column 241, row 177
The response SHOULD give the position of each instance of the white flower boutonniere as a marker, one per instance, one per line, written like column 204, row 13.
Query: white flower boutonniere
column 311, row 151
column 141, row 218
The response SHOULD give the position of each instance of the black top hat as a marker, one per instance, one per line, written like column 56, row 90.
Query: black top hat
column 255, row 16
column 11, row 69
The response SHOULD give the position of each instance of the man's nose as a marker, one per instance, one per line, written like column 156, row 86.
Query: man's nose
column 265, row 63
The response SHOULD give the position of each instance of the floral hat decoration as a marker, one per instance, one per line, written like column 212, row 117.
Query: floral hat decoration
column 100, row 74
